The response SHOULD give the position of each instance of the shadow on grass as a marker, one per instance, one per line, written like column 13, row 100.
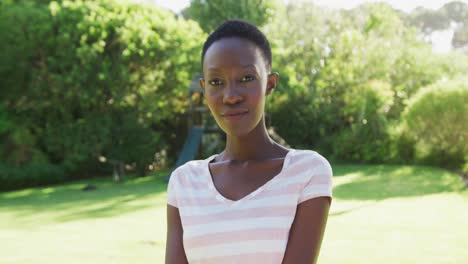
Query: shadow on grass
column 349, row 210
column 353, row 182
column 68, row 202
column 378, row 182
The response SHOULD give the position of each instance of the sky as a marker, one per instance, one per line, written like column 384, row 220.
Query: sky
column 441, row 41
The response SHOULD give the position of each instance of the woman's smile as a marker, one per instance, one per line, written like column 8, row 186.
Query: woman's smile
column 234, row 115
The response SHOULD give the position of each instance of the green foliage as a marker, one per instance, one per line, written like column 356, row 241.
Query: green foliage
column 80, row 79
column 5, row 124
column 416, row 67
column 346, row 77
column 300, row 37
column 460, row 37
column 366, row 137
column 452, row 15
column 325, row 61
column 429, row 20
column 436, row 118
column 133, row 141
column 85, row 79
column 210, row 13
column 32, row 174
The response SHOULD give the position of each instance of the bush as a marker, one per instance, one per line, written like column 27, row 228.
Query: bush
column 210, row 14
column 33, row 174
column 80, row 79
column 366, row 138
column 436, row 119
column 346, row 77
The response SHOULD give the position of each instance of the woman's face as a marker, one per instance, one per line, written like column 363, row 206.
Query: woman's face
column 235, row 84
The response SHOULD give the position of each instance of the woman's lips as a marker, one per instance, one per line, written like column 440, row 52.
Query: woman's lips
column 234, row 117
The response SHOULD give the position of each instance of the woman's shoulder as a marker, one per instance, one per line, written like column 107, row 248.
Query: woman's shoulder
column 190, row 175
column 191, row 165
column 311, row 157
column 311, row 162
column 193, row 169
column 314, row 173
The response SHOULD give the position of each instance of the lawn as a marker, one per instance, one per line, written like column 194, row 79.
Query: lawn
column 379, row 214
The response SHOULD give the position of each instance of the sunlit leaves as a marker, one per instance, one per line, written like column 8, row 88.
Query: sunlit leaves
column 84, row 74
column 346, row 76
column 210, row 13
column 436, row 118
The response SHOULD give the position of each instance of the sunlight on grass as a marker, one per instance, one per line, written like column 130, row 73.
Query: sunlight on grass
column 379, row 214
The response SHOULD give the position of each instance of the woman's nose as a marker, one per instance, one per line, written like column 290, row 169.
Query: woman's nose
column 231, row 94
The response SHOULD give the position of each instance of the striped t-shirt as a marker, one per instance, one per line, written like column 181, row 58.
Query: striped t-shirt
column 253, row 229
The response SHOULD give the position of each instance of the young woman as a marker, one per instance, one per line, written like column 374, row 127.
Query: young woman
column 257, row 201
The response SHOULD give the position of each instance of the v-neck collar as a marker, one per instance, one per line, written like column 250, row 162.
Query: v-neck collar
column 227, row 201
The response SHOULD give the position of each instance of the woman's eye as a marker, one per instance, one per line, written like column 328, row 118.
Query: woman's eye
column 215, row 82
column 248, row 78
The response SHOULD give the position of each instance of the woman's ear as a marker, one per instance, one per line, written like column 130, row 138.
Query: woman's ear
column 272, row 81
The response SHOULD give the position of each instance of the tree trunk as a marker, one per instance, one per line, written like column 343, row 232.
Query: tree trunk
column 464, row 178
column 119, row 170
column 116, row 174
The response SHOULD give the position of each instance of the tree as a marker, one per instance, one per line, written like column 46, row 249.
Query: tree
column 452, row 15
column 210, row 13
column 84, row 79
column 460, row 36
column 346, row 76
column 436, row 118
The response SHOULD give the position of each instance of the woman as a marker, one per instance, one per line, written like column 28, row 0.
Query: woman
column 257, row 201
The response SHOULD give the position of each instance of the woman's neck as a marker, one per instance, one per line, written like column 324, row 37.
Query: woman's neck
column 257, row 145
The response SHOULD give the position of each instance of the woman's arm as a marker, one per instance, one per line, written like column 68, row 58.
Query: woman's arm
column 307, row 230
column 175, row 253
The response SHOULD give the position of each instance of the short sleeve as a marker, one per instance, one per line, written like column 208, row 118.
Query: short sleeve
column 320, row 183
column 172, row 190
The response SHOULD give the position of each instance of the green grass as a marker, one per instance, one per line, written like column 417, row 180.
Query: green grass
column 379, row 214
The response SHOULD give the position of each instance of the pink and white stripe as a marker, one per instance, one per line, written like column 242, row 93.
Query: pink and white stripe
column 254, row 229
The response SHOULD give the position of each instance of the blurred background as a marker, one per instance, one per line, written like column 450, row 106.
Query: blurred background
column 99, row 101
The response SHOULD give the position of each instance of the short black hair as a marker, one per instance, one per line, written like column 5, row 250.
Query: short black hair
column 243, row 30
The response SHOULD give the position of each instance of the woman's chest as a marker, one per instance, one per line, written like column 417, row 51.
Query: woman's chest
column 251, row 230
column 236, row 181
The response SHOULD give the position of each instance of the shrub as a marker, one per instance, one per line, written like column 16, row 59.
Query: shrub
column 33, row 174
column 209, row 14
column 79, row 79
column 346, row 77
column 366, row 137
column 436, row 119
